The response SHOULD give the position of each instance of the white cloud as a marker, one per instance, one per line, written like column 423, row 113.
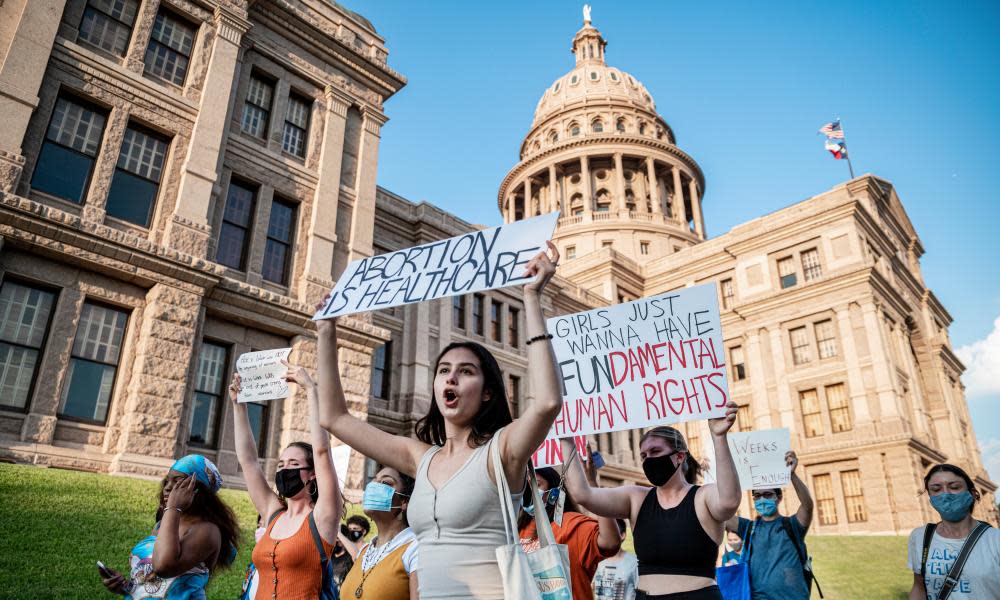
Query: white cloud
column 982, row 359
column 991, row 457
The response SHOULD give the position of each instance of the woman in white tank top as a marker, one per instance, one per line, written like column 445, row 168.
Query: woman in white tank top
column 454, row 510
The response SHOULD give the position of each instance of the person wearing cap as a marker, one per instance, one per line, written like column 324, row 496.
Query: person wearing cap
column 195, row 533
column 588, row 540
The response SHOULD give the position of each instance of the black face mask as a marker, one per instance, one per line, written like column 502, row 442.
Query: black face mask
column 289, row 482
column 659, row 469
column 355, row 535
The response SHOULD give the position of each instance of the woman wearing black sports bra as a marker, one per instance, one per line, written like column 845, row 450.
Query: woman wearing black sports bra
column 678, row 526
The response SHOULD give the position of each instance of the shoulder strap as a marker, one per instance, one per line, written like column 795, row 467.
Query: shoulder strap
column 274, row 516
column 786, row 524
column 503, row 490
column 956, row 569
column 323, row 558
column 747, row 540
column 928, row 534
column 542, row 524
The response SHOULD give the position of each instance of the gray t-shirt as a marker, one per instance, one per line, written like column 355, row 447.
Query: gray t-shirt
column 775, row 567
column 616, row 578
column 980, row 579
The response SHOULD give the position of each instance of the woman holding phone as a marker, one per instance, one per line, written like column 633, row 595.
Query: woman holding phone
column 195, row 534
column 455, row 509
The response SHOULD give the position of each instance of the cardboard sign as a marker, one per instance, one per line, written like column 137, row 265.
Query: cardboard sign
column 654, row 361
column 475, row 261
column 760, row 457
column 262, row 376
column 550, row 453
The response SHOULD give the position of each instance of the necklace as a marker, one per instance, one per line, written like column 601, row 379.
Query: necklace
column 371, row 560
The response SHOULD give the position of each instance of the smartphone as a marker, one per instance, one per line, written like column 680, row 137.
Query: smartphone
column 598, row 459
column 103, row 569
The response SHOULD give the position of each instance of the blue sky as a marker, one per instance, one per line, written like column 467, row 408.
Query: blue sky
column 744, row 86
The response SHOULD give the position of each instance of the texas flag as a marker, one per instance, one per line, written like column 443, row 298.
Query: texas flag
column 837, row 148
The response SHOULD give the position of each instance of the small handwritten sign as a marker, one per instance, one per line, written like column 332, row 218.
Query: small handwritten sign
column 550, row 453
column 341, row 460
column 760, row 457
column 654, row 361
column 262, row 376
column 472, row 262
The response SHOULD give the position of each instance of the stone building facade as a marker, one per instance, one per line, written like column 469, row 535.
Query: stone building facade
column 181, row 181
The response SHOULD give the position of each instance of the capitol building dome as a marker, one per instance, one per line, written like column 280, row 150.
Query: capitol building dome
column 599, row 153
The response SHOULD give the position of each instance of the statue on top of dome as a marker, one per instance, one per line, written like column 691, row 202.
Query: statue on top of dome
column 586, row 14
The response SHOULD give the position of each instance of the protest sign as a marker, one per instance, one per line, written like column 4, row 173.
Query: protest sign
column 550, row 453
column 262, row 376
column 654, row 361
column 341, row 460
column 472, row 262
column 760, row 457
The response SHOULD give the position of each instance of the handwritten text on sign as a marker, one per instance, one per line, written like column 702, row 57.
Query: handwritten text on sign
column 550, row 453
column 760, row 457
column 262, row 376
column 475, row 261
column 653, row 361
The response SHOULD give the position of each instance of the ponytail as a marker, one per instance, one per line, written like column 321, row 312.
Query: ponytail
column 691, row 469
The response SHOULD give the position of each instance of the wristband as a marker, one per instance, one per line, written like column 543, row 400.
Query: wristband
column 538, row 338
column 174, row 508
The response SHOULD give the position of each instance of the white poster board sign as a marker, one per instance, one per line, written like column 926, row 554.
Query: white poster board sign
column 760, row 457
column 550, row 453
column 472, row 262
column 262, row 376
column 654, row 361
column 341, row 461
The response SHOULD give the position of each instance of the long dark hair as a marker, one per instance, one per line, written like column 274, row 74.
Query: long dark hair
column 308, row 449
column 492, row 415
column 949, row 468
column 551, row 477
column 208, row 507
column 675, row 439
column 406, row 485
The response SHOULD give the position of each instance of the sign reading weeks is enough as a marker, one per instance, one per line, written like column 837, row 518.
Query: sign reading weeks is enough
column 654, row 361
column 472, row 262
column 760, row 457
column 262, row 376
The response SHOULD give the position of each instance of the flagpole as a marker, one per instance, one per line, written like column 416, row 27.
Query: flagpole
column 850, row 167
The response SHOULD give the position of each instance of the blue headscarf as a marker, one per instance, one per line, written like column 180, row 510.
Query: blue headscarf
column 203, row 470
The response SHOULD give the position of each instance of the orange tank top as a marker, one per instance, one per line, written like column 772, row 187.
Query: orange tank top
column 289, row 569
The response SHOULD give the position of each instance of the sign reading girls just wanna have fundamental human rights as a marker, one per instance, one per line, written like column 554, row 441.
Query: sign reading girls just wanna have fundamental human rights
column 472, row 262
column 654, row 361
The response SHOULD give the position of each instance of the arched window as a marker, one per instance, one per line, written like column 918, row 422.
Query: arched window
column 642, row 128
column 536, row 146
column 603, row 201
column 659, row 133
column 597, row 126
column 574, row 129
column 553, row 137
column 576, row 205
column 620, row 125
column 630, row 199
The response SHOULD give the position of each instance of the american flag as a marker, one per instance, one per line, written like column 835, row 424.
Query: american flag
column 832, row 130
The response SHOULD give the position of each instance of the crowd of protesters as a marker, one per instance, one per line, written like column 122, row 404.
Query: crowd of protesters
column 442, row 503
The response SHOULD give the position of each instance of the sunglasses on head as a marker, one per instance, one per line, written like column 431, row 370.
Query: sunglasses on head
column 765, row 495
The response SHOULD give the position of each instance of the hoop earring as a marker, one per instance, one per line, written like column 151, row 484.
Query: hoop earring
column 314, row 489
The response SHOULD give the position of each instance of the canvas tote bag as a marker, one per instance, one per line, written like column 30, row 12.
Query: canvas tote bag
column 543, row 574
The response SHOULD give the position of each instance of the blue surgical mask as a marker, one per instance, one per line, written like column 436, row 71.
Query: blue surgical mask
column 765, row 507
column 378, row 496
column 953, row 507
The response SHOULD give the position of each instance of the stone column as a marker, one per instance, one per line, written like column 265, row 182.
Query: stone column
column 678, row 199
column 190, row 227
column 653, row 186
column 295, row 409
column 784, row 400
column 856, row 382
column 884, row 385
column 321, row 237
column 96, row 202
column 758, row 382
column 528, row 206
column 25, row 46
column 415, row 359
column 620, row 182
column 363, row 215
column 553, row 192
column 258, row 235
column 588, row 201
column 158, row 385
column 699, row 225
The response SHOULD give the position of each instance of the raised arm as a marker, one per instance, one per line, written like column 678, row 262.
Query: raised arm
column 609, row 538
column 263, row 497
column 805, row 512
column 173, row 554
column 400, row 453
column 329, row 505
column 723, row 498
column 612, row 503
column 528, row 431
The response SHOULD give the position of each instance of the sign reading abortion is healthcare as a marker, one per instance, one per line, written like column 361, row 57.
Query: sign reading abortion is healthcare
column 472, row 262
column 654, row 361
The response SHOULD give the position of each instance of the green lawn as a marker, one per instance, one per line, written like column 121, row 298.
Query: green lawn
column 54, row 526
